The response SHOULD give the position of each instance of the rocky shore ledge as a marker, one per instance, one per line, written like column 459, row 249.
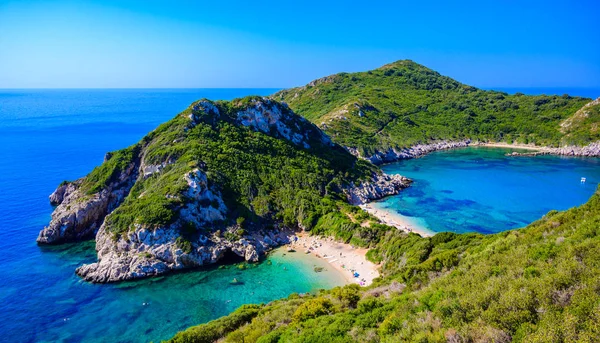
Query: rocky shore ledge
column 148, row 252
column 392, row 155
column 151, row 251
column 380, row 186
column 590, row 150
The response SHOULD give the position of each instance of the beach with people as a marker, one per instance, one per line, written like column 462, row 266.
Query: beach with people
column 350, row 260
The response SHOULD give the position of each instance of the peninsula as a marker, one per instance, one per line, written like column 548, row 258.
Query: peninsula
column 221, row 178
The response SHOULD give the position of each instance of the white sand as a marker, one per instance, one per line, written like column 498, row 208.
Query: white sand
column 507, row 145
column 392, row 219
column 343, row 257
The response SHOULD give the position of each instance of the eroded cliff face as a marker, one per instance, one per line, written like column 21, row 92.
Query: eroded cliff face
column 266, row 116
column 79, row 215
column 147, row 252
column 380, row 186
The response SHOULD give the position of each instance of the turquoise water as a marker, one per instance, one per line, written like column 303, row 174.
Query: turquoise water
column 478, row 189
column 47, row 136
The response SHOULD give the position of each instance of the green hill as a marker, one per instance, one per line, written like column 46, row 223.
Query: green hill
column 536, row 284
column 403, row 104
column 220, row 177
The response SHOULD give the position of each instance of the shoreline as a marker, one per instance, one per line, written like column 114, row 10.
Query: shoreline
column 344, row 258
column 388, row 217
column 510, row 146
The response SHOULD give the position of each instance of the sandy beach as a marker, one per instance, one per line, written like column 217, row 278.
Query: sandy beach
column 507, row 145
column 345, row 258
column 391, row 219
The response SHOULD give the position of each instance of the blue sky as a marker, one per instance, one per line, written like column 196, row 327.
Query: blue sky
column 89, row 44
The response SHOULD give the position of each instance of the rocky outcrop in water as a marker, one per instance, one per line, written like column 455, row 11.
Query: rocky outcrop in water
column 149, row 252
column 380, row 186
column 79, row 215
column 392, row 155
column 590, row 150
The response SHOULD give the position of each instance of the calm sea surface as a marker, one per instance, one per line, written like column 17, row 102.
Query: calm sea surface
column 47, row 136
column 479, row 189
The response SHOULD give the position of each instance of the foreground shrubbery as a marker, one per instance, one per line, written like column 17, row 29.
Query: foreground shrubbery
column 404, row 103
column 537, row 284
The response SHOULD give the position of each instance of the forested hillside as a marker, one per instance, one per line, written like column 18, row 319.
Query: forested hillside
column 403, row 103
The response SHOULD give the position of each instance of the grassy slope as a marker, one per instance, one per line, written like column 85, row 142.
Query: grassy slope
column 404, row 103
column 536, row 284
column 584, row 125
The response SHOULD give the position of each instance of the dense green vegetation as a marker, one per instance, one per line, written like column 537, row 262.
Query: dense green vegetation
column 404, row 103
column 536, row 284
column 263, row 178
column 583, row 126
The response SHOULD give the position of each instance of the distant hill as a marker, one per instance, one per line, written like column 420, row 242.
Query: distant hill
column 404, row 103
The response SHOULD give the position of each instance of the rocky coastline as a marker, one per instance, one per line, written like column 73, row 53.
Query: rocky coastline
column 393, row 155
column 78, row 216
column 419, row 150
column 590, row 150
column 146, row 252
column 380, row 186
column 151, row 252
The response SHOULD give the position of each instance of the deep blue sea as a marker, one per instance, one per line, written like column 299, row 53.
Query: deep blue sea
column 47, row 136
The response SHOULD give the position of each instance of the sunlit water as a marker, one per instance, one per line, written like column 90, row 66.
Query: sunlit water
column 49, row 136
column 479, row 189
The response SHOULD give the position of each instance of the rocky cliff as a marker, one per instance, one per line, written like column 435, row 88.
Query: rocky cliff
column 222, row 178
column 380, row 186
column 79, row 215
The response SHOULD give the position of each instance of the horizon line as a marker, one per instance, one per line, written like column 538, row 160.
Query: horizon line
column 158, row 88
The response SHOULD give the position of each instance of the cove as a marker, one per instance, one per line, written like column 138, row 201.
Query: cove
column 479, row 189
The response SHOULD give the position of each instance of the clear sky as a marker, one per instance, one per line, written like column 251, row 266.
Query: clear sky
column 126, row 43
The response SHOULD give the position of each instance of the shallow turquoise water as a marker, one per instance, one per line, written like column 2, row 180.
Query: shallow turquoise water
column 47, row 136
column 479, row 189
column 156, row 308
